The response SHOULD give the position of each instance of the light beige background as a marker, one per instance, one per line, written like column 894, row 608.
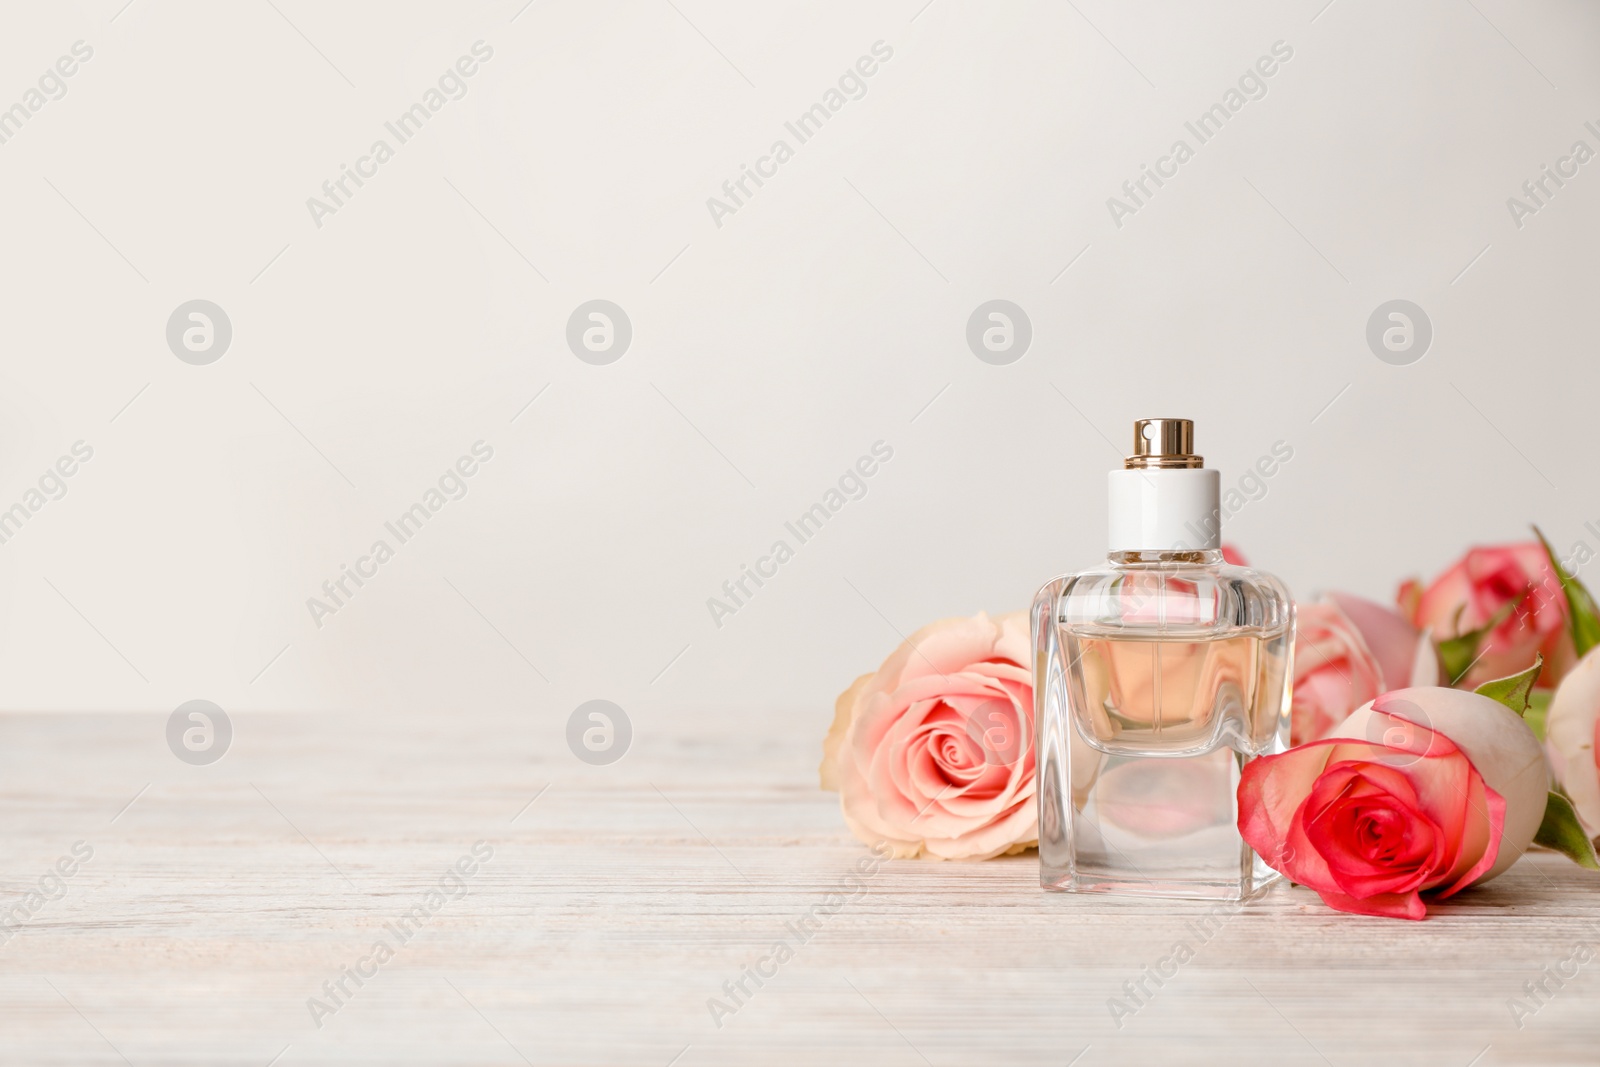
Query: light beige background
column 768, row 353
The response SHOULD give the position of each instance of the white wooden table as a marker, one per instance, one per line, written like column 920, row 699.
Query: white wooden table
column 623, row 898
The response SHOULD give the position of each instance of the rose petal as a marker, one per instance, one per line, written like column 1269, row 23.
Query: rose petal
column 1391, row 639
column 829, row 772
column 920, row 765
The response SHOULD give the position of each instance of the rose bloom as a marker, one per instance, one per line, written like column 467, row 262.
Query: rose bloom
column 1483, row 582
column 1572, row 731
column 1334, row 671
column 933, row 753
column 1346, row 652
column 1427, row 790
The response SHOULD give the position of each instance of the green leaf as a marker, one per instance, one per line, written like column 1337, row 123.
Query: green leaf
column 1583, row 615
column 1561, row 832
column 1538, row 708
column 1513, row 691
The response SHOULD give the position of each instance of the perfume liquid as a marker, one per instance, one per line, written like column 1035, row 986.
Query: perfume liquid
column 1158, row 676
column 1165, row 692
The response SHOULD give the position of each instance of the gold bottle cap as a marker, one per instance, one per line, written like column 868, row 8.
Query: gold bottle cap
column 1162, row 444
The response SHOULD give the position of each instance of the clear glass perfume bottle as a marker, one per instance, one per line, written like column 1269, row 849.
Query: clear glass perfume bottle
column 1157, row 677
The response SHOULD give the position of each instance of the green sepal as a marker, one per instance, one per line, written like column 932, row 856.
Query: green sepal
column 1583, row 615
column 1514, row 690
column 1561, row 832
column 1538, row 708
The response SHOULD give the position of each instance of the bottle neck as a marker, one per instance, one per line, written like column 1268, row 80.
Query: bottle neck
column 1202, row 558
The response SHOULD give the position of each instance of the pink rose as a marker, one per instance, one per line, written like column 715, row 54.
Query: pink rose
column 1572, row 731
column 1334, row 671
column 1346, row 652
column 1427, row 790
column 1403, row 656
column 934, row 753
column 1482, row 583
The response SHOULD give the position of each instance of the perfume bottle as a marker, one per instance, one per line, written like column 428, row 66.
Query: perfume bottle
column 1157, row 677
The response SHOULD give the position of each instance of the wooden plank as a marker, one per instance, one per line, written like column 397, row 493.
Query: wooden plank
column 620, row 902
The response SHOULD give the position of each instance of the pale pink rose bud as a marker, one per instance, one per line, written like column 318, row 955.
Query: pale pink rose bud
column 1572, row 733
